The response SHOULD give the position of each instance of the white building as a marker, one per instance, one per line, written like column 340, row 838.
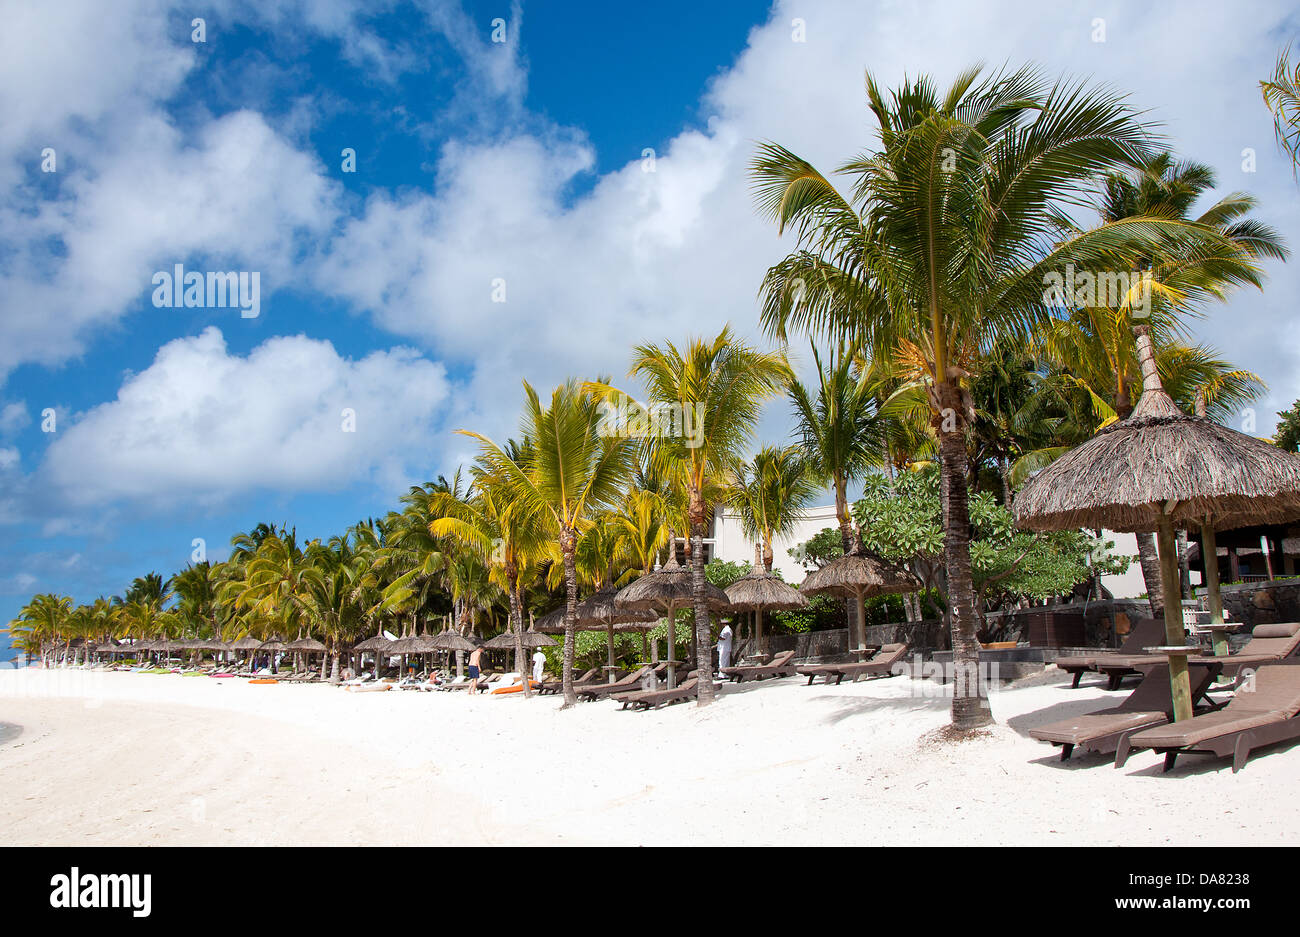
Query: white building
column 728, row 542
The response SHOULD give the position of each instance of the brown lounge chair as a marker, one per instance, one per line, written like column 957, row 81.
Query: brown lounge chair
column 1261, row 713
column 1151, row 704
column 1268, row 644
column 557, row 686
column 1145, row 632
column 780, row 666
column 880, row 665
column 653, row 699
column 597, row 690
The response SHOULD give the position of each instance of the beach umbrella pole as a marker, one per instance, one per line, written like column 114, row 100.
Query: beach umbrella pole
column 1179, row 684
column 1210, row 561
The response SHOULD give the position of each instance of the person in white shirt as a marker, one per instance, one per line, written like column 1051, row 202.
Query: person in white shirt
column 539, row 665
column 724, row 646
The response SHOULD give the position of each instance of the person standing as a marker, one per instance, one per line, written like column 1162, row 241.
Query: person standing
column 475, row 656
column 539, row 665
column 724, row 646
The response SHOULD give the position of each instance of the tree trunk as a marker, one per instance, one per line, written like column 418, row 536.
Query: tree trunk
column 517, row 624
column 1184, row 570
column 703, row 650
column 1150, row 563
column 969, row 708
column 568, row 544
column 842, row 514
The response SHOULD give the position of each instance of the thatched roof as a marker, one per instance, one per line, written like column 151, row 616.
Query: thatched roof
column 1125, row 476
column 413, row 644
column 311, row 645
column 215, row 646
column 506, row 641
column 669, row 585
column 761, row 589
column 246, row 643
column 452, row 641
column 275, row 644
column 857, row 574
column 375, row 643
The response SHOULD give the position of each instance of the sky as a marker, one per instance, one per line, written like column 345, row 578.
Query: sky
column 437, row 199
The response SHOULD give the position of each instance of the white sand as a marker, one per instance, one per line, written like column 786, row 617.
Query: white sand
column 109, row 758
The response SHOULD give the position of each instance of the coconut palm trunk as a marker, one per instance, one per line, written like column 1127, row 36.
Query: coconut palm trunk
column 517, row 622
column 969, row 707
column 568, row 547
column 703, row 649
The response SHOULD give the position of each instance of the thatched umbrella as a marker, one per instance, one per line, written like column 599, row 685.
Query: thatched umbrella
column 248, row 644
column 506, row 641
column 380, row 644
column 454, row 641
column 308, row 646
column 664, row 591
column 758, row 590
column 1159, row 469
column 858, row 576
column 598, row 611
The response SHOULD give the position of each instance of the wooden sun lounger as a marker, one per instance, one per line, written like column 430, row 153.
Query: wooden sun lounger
column 1268, row 644
column 880, row 665
column 597, row 690
column 653, row 699
column 1145, row 632
column 780, row 666
column 1260, row 714
column 557, row 686
column 1151, row 704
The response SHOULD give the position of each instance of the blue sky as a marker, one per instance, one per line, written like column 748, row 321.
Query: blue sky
column 478, row 163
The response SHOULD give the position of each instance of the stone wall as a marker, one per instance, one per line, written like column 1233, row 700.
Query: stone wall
column 1262, row 603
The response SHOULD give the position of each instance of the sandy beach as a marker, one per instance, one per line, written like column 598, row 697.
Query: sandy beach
column 124, row 758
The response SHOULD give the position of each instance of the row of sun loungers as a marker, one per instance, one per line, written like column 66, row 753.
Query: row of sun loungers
column 1264, row 711
column 880, row 664
column 1268, row 643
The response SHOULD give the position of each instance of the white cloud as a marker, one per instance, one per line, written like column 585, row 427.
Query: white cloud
column 200, row 423
column 13, row 417
column 681, row 250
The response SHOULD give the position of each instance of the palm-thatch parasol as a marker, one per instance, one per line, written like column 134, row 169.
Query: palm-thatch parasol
column 453, row 641
column 506, row 641
column 1159, row 469
column 598, row 612
column 246, row 643
column 858, row 575
column 664, row 591
column 758, row 590
column 310, row 645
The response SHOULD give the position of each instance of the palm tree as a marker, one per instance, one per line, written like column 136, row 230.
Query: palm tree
column 716, row 389
column 1097, row 342
column 1282, row 98
column 503, row 533
column 770, row 494
column 841, row 429
column 573, row 469
column 945, row 246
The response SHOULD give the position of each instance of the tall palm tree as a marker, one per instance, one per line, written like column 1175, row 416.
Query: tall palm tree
column 504, row 533
column 573, row 469
column 770, row 494
column 719, row 386
column 841, row 429
column 1104, row 337
column 944, row 246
